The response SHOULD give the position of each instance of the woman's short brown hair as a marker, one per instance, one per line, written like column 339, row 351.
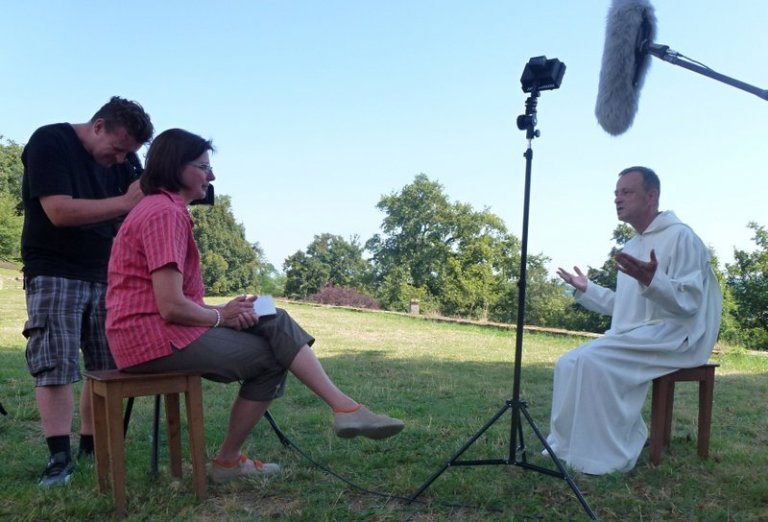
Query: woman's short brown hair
column 169, row 153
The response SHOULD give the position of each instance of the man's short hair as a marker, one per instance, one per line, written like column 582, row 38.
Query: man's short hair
column 650, row 179
column 119, row 112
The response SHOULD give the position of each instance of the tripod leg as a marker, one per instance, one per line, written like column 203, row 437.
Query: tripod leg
column 462, row 450
column 563, row 472
column 517, row 442
column 127, row 417
column 528, row 123
column 155, row 439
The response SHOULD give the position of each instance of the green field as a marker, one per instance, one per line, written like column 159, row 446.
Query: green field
column 445, row 380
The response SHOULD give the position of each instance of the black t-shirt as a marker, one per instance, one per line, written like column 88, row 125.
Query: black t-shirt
column 55, row 162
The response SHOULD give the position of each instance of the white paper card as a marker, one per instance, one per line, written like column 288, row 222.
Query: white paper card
column 264, row 306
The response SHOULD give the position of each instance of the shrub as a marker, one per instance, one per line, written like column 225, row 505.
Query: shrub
column 343, row 296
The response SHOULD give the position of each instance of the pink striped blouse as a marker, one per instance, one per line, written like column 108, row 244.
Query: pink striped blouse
column 155, row 234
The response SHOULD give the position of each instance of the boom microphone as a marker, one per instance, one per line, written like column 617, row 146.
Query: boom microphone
column 630, row 28
column 629, row 45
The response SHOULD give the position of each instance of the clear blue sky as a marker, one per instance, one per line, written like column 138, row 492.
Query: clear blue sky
column 318, row 108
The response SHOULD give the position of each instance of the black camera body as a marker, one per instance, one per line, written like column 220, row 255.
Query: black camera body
column 541, row 74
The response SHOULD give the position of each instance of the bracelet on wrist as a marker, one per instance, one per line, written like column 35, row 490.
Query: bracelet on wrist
column 218, row 318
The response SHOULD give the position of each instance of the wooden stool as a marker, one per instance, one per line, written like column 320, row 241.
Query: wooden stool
column 108, row 389
column 663, row 399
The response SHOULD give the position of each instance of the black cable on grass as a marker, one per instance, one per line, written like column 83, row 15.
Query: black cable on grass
column 288, row 443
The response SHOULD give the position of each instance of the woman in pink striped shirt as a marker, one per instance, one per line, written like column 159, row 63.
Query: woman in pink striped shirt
column 157, row 320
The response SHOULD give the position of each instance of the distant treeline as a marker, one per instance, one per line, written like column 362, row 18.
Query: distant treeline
column 450, row 258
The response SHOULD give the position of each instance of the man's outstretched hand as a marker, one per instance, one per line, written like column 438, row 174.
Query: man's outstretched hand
column 577, row 280
column 643, row 271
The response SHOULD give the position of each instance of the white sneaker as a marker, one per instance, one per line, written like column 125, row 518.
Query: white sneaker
column 244, row 467
column 365, row 423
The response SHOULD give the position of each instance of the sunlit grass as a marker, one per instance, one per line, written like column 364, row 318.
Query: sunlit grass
column 445, row 380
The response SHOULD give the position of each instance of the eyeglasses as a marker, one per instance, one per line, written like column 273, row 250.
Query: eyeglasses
column 205, row 167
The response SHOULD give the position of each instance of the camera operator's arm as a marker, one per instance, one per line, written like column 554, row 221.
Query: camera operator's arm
column 66, row 211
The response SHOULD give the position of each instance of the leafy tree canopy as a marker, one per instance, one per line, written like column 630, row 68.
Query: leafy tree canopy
column 329, row 260
column 11, row 210
column 11, row 170
column 747, row 279
column 229, row 262
column 458, row 259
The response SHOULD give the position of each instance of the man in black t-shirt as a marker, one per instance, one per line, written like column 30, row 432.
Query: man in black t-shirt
column 79, row 181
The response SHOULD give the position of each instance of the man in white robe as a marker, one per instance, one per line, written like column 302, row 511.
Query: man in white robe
column 665, row 316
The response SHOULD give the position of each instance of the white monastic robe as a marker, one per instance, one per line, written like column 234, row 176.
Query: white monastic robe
column 600, row 387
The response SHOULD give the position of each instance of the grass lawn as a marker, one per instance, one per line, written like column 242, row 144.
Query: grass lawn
column 445, row 380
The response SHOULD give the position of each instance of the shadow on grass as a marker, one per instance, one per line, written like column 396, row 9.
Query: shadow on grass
column 443, row 402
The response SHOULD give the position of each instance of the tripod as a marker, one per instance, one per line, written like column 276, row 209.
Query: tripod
column 517, row 451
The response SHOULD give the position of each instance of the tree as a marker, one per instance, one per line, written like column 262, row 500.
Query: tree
column 329, row 260
column 416, row 234
column 229, row 261
column 304, row 275
column 11, row 209
column 344, row 259
column 448, row 255
column 473, row 265
column 268, row 279
column 395, row 292
column 545, row 297
column 747, row 279
column 729, row 327
column 11, row 170
column 10, row 229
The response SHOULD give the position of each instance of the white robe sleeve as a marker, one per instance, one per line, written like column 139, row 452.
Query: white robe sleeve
column 678, row 287
column 596, row 298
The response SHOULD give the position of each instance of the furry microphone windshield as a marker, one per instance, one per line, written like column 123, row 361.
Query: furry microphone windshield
column 630, row 28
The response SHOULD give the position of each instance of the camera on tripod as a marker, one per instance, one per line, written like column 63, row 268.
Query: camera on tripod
column 541, row 74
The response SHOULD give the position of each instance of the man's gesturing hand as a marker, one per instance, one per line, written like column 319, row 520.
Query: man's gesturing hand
column 641, row 270
column 578, row 280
